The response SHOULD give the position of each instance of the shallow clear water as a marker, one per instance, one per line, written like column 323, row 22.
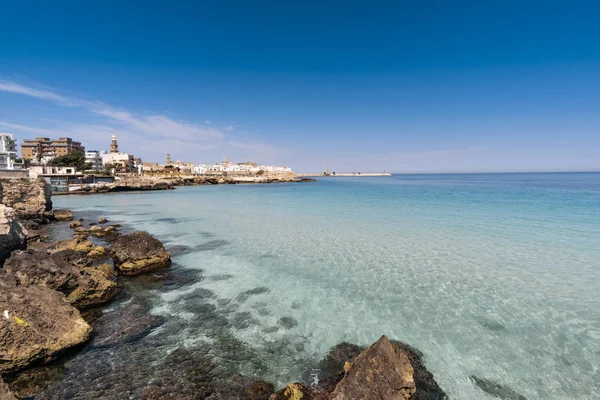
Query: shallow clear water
column 492, row 275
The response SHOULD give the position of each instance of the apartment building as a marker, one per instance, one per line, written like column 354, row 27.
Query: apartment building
column 44, row 149
column 8, row 151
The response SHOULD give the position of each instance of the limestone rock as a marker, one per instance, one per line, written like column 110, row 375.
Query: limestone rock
column 97, row 252
column 5, row 393
column 62, row 215
column 40, row 325
column 382, row 372
column 102, row 220
column 12, row 234
column 57, row 271
column 74, row 224
column 30, row 198
column 139, row 252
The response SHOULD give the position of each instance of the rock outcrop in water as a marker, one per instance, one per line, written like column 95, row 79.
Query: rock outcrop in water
column 12, row 234
column 84, row 286
column 29, row 198
column 139, row 252
column 386, row 370
column 36, row 326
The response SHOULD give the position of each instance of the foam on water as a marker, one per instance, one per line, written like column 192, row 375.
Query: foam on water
column 495, row 276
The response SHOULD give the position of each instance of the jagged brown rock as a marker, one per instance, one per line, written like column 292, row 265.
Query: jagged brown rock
column 41, row 324
column 62, row 214
column 12, row 234
column 382, row 372
column 139, row 252
column 83, row 287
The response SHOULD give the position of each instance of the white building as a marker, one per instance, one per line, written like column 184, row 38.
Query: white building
column 122, row 162
column 94, row 158
column 8, row 151
column 242, row 168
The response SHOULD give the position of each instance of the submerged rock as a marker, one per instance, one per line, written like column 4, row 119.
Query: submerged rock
column 12, row 234
column 496, row 389
column 241, row 388
column 427, row 387
column 124, row 326
column 37, row 325
column 139, row 252
column 383, row 371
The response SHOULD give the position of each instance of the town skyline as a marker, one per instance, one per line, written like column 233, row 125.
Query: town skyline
column 366, row 88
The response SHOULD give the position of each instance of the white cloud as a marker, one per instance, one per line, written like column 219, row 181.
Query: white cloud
column 152, row 135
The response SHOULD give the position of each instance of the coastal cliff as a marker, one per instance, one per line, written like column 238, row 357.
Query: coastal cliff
column 29, row 198
column 12, row 234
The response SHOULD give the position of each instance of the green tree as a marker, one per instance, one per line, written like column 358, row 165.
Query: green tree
column 69, row 160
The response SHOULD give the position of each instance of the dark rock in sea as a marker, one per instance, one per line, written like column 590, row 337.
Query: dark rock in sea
column 75, row 224
column 383, row 371
column 28, row 383
column 492, row 325
column 41, row 324
column 243, row 320
column 124, row 326
column 179, row 250
column 245, row 295
column 83, row 287
column 427, row 387
column 241, row 388
column 5, row 393
column 288, row 322
column 184, row 375
column 212, row 245
column 496, row 389
column 332, row 367
column 139, row 252
column 62, row 215
column 219, row 277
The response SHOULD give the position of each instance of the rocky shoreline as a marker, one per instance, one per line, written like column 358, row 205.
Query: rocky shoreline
column 52, row 296
column 144, row 183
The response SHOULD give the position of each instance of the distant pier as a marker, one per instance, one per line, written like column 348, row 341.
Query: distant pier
column 348, row 174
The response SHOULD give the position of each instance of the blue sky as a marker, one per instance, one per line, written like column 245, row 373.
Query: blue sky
column 404, row 86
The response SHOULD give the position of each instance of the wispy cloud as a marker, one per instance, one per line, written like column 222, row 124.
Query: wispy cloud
column 154, row 133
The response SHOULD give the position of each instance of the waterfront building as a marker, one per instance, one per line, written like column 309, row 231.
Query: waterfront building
column 94, row 158
column 44, row 149
column 120, row 162
column 8, row 151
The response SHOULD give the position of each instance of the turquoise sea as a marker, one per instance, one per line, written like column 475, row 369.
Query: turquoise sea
column 489, row 275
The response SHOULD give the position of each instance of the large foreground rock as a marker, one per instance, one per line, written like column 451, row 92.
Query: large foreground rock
column 12, row 234
column 388, row 370
column 139, row 252
column 30, row 198
column 382, row 372
column 84, row 286
column 37, row 325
